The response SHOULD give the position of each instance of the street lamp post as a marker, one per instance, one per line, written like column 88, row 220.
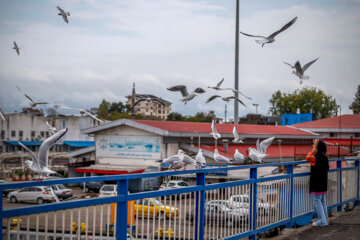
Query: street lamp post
column 236, row 104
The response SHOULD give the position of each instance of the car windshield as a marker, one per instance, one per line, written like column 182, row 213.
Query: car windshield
column 47, row 189
column 108, row 188
column 156, row 202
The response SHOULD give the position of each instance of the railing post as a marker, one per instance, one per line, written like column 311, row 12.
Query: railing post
column 253, row 202
column 357, row 165
column 200, row 202
column 1, row 211
column 338, row 166
column 290, row 171
column 121, row 210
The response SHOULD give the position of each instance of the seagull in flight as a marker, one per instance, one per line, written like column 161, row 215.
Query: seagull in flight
column 33, row 104
column 259, row 153
column 299, row 71
column 40, row 164
column 238, row 157
column 51, row 128
column 220, row 159
column 82, row 112
column 226, row 99
column 214, row 132
column 2, row 115
column 63, row 14
column 186, row 96
column 200, row 159
column 271, row 38
column 217, row 87
column 17, row 49
column 237, row 138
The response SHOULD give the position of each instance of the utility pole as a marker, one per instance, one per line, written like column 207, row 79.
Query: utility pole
column 256, row 106
column 225, row 112
column 236, row 104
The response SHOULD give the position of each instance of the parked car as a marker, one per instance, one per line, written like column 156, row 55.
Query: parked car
column 153, row 207
column 222, row 212
column 108, row 190
column 6, row 191
column 61, row 191
column 92, row 186
column 173, row 184
column 32, row 194
column 243, row 201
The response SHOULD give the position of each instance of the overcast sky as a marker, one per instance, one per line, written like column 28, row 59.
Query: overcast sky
column 108, row 45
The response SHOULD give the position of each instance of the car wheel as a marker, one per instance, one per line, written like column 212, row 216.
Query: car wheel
column 40, row 201
column 87, row 190
column 13, row 199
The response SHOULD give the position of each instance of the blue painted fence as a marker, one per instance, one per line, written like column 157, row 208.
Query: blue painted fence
column 292, row 191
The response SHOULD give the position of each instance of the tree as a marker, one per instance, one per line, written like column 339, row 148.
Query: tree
column 308, row 100
column 355, row 105
column 174, row 116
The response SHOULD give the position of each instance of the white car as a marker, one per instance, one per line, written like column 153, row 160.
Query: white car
column 108, row 190
column 32, row 194
column 173, row 184
column 243, row 201
column 61, row 191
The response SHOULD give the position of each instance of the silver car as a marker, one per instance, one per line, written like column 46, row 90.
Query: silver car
column 61, row 191
column 38, row 195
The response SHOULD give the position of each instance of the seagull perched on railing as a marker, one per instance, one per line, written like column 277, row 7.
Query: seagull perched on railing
column 40, row 164
column 237, row 138
column 33, row 104
column 186, row 96
column 220, row 159
column 259, row 153
column 16, row 48
column 63, row 14
column 226, row 99
column 299, row 71
column 238, row 157
column 271, row 38
column 82, row 112
column 200, row 159
column 174, row 160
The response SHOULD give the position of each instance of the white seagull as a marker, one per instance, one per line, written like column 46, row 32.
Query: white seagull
column 238, row 157
column 17, row 49
column 186, row 96
column 299, row 71
column 51, row 128
column 40, row 164
column 82, row 112
column 32, row 102
column 220, row 159
column 237, row 138
column 259, row 153
column 271, row 38
column 217, row 87
column 174, row 160
column 200, row 159
column 214, row 131
column 2, row 115
column 226, row 99
column 63, row 14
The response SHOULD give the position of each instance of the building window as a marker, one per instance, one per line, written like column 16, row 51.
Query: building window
column 357, row 135
column 146, row 110
column 333, row 134
column 159, row 111
column 13, row 133
column 42, row 134
column 20, row 133
column 32, row 133
column 47, row 134
column 2, row 134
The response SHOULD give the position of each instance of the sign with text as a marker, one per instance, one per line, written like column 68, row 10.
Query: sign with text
column 128, row 147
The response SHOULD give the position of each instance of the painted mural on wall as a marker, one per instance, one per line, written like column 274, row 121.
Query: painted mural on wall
column 128, row 147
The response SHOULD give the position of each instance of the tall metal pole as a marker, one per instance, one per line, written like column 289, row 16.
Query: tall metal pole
column 236, row 104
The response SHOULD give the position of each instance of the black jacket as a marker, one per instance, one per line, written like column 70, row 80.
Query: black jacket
column 319, row 172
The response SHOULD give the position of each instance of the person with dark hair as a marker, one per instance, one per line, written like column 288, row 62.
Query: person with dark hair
column 319, row 181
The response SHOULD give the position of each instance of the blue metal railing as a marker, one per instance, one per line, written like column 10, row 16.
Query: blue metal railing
column 200, row 189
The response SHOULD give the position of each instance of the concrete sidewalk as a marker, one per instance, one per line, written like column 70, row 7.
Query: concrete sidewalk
column 343, row 226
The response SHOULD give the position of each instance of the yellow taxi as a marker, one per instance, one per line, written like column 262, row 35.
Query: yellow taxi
column 152, row 207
